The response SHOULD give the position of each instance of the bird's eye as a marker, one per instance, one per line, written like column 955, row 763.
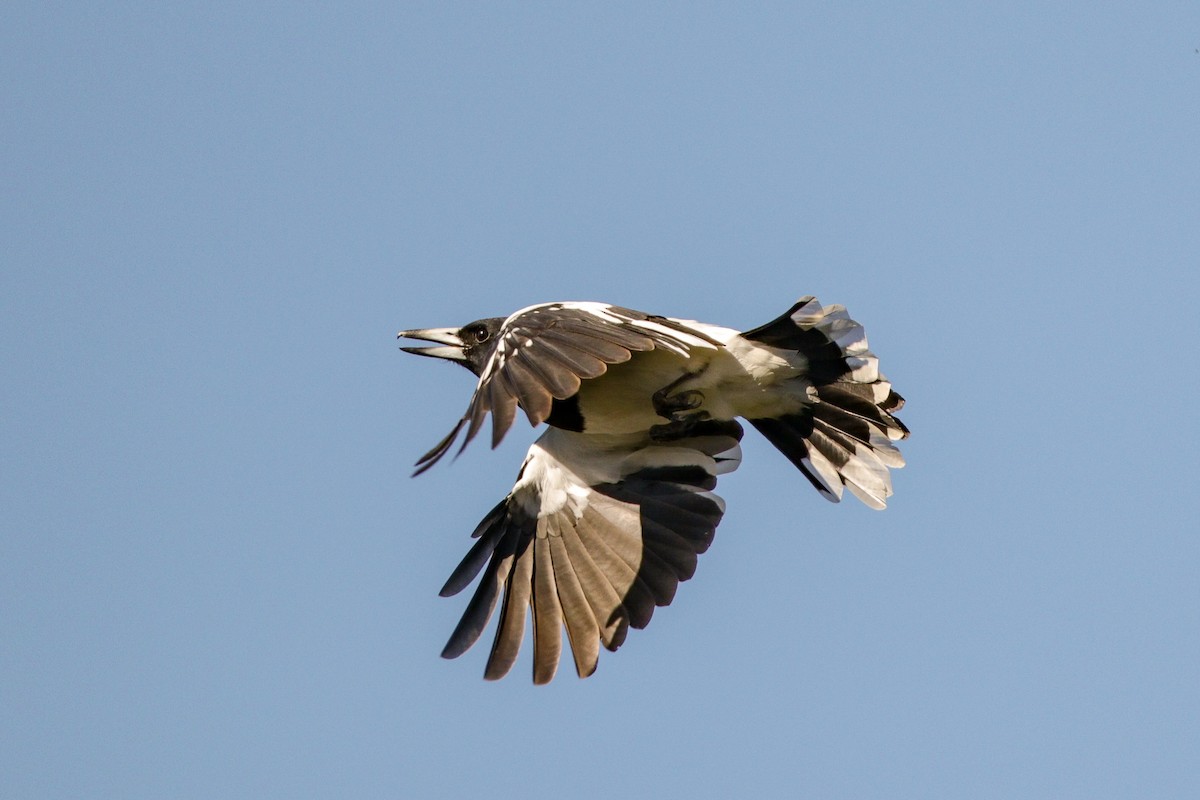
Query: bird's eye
column 480, row 333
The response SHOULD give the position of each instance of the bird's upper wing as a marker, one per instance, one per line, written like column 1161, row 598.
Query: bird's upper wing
column 597, row 532
column 544, row 351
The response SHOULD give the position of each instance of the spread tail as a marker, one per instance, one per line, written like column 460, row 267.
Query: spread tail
column 844, row 439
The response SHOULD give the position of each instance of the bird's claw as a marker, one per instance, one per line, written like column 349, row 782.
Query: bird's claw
column 669, row 407
column 679, row 427
column 681, row 410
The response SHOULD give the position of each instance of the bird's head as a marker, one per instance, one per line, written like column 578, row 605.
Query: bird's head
column 471, row 345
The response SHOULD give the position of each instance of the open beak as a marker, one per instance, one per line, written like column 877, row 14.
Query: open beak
column 445, row 336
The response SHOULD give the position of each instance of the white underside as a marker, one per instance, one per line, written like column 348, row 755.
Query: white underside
column 561, row 466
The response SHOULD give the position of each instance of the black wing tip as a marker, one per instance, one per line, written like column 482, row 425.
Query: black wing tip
column 454, row 649
column 438, row 450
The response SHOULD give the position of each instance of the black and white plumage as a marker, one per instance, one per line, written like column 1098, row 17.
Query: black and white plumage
column 615, row 501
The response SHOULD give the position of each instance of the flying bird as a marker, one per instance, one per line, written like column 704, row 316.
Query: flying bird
column 615, row 501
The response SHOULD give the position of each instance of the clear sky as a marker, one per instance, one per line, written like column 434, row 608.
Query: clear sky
column 217, row 579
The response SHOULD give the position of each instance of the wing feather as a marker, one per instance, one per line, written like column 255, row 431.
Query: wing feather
column 593, row 537
column 620, row 570
column 438, row 450
column 577, row 613
column 510, row 630
column 610, row 345
column 483, row 602
column 547, row 615
column 504, row 407
column 476, row 557
column 555, row 377
column 571, row 355
column 657, row 575
column 543, row 352
column 607, row 610
column 531, row 393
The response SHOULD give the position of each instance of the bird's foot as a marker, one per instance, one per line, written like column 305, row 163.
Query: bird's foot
column 681, row 410
column 669, row 407
column 679, row 427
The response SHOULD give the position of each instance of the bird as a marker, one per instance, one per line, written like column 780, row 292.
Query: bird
column 615, row 501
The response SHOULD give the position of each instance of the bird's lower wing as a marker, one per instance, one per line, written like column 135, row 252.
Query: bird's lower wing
column 597, row 532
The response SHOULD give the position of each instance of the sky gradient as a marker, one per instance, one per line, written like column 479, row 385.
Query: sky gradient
column 218, row 580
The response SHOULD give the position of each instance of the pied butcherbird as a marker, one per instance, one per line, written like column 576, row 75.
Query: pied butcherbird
column 615, row 501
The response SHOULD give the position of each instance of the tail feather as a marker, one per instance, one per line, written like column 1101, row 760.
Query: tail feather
column 862, row 429
column 845, row 438
column 860, row 468
column 790, row 434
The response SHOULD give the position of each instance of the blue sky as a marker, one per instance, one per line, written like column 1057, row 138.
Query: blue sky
column 218, row 580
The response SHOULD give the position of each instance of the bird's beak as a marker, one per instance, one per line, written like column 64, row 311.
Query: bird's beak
column 444, row 336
